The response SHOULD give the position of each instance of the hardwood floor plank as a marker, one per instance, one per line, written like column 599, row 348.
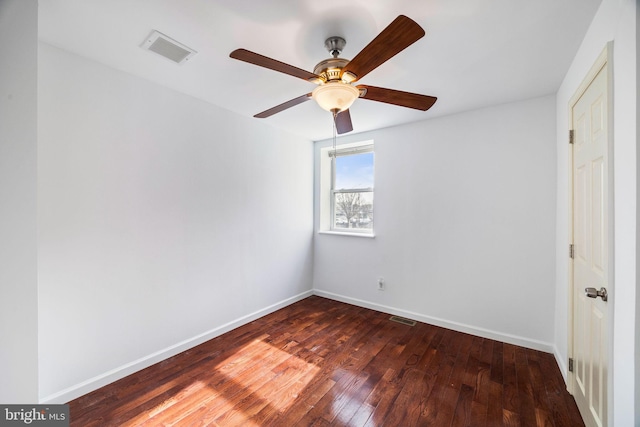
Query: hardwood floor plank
column 525, row 388
column 385, row 405
column 351, row 396
column 448, row 401
column 473, row 363
column 278, row 394
column 494, row 407
column 442, row 366
column 497, row 363
column 562, row 405
column 478, row 416
column 380, row 389
column 303, row 405
column 406, row 400
column 511, row 419
column 510, row 398
column 540, row 397
column 443, row 398
column 421, row 390
column 544, row 418
column 320, row 362
column 326, row 407
column 477, row 374
column 461, row 359
column 462, row 412
column 431, row 352
column 361, row 416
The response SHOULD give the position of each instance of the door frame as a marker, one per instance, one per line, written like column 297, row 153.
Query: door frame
column 604, row 59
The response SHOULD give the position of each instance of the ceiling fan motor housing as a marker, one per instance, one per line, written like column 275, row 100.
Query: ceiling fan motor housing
column 330, row 69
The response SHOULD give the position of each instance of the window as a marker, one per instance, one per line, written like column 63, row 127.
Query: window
column 348, row 192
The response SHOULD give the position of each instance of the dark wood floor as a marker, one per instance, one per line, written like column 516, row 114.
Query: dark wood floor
column 323, row 363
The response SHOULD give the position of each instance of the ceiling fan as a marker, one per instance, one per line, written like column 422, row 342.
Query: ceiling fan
column 334, row 76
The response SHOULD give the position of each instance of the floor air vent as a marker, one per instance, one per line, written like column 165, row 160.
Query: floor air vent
column 403, row 320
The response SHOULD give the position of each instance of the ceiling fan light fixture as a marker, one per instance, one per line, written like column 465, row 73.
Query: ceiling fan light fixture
column 335, row 96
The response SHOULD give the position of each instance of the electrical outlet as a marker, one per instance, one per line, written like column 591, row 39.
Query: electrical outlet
column 380, row 284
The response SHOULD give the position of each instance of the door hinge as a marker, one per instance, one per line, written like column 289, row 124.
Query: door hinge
column 572, row 251
column 571, row 136
column 571, row 364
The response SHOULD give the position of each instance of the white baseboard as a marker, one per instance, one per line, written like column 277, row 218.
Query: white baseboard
column 562, row 364
column 460, row 327
column 96, row 382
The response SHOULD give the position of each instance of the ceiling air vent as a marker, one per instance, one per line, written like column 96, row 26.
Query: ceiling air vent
column 168, row 47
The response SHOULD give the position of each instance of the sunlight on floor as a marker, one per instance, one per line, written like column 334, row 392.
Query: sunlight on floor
column 270, row 376
column 257, row 379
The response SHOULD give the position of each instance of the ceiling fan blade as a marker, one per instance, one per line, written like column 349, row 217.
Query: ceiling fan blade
column 291, row 103
column 397, row 97
column 398, row 35
column 272, row 64
column 343, row 122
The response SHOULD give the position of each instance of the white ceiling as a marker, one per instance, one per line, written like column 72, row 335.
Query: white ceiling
column 475, row 53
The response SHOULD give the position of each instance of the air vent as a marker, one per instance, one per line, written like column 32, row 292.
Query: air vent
column 167, row 47
column 402, row 320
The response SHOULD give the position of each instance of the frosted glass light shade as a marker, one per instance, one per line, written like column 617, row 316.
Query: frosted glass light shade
column 335, row 95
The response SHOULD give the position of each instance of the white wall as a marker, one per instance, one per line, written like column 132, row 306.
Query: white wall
column 163, row 221
column 464, row 225
column 18, row 173
column 616, row 21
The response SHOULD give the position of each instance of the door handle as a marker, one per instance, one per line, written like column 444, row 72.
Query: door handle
column 594, row 293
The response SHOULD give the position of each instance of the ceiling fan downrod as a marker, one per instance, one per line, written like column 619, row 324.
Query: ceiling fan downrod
column 335, row 45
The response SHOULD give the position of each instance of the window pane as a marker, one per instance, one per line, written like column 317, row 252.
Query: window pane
column 353, row 210
column 354, row 171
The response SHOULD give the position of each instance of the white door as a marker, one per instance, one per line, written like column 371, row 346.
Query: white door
column 591, row 242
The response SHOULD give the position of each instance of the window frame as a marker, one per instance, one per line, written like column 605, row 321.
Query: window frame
column 346, row 150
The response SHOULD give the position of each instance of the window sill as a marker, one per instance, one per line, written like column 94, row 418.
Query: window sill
column 346, row 233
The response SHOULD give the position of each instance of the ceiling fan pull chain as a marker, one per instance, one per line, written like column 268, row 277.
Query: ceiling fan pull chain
column 333, row 126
